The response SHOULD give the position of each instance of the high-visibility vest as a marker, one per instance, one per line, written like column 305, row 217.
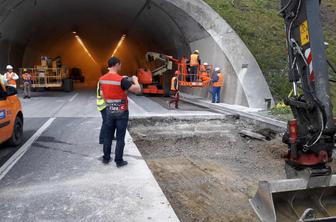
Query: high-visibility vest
column 194, row 60
column 114, row 96
column 26, row 76
column 10, row 81
column 174, row 84
column 220, row 81
column 101, row 105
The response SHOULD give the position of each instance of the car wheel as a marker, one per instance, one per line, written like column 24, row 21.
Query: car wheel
column 17, row 135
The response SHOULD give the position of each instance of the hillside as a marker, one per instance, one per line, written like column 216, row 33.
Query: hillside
column 262, row 30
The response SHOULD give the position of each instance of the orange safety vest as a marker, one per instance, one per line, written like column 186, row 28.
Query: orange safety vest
column 194, row 60
column 11, row 81
column 26, row 76
column 220, row 81
column 173, row 88
column 115, row 97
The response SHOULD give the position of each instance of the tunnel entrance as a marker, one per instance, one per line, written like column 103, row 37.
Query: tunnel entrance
column 86, row 33
column 33, row 28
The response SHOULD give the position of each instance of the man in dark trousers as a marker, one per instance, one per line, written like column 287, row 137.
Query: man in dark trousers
column 114, row 89
column 174, row 88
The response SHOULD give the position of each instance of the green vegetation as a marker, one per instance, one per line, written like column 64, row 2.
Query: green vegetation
column 262, row 30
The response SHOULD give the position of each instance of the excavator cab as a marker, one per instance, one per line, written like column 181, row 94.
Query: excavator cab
column 309, row 191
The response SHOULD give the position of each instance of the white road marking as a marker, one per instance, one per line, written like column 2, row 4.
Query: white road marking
column 73, row 97
column 17, row 156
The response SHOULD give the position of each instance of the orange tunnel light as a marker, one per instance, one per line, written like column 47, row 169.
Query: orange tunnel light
column 119, row 44
column 85, row 49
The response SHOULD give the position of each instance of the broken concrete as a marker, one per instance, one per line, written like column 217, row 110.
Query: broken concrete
column 206, row 170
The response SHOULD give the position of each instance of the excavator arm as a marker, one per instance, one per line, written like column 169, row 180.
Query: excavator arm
column 309, row 192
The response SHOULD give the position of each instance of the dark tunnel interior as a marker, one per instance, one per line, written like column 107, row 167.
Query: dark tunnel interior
column 34, row 28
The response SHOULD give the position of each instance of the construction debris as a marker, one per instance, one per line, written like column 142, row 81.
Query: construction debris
column 252, row 135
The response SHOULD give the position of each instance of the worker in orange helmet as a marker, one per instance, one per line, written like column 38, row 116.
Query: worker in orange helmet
column 195, row 62
column 27, row 81
column 11, row 76
column 114, row 88
column 175, row 90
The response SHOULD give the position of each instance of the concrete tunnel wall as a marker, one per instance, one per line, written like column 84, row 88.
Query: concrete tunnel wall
column 30, row 29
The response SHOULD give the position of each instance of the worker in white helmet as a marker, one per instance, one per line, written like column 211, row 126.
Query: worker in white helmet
column 11, row 76
column 217, row 81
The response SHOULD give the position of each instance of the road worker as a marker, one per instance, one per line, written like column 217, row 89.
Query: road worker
column 27, row 82
column 175, row 91
column 217, row 81
column 11, row 76
column 195, row 62
column 114, row 88
column 184, row 69
column 204, row 77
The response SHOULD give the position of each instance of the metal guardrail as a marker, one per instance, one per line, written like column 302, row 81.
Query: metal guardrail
column 46, row 77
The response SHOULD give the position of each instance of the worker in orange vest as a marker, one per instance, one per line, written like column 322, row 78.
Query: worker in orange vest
column 175, row 91
column 204, row 77
column 11, row 76
column 184, row 69
column 195, row 62
column 217, row 81
column 27, row 81
column 114, row 88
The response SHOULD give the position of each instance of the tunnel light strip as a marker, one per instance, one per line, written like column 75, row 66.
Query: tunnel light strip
column 85, row 49
column 119, row 44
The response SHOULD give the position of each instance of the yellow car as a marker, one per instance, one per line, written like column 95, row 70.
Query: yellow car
column 11, row 117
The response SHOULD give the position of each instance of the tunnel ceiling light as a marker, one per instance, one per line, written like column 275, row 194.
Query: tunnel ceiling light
column 119, row 44
column 85, row 49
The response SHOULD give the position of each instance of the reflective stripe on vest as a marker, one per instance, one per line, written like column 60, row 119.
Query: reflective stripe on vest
column 173, row 88
column 194, row 60
column 110, row 82
column 114, row 96
column 220, row 81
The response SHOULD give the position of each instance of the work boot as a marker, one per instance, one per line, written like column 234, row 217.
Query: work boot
column 121, row 164
column 105, row 161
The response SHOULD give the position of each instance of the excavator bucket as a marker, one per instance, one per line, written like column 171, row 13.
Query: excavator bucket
column 293, row 200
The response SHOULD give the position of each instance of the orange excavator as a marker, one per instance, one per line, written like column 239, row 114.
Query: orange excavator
column 153, row 81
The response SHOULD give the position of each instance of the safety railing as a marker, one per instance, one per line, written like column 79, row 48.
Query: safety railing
column 45, row 77
column 201, row 79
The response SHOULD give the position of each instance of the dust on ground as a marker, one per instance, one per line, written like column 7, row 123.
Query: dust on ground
column 205, row 168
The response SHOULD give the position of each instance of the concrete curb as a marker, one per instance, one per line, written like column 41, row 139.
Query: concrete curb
column 263, row 121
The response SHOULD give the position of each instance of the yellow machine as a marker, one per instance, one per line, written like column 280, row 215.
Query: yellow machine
column 50, row 74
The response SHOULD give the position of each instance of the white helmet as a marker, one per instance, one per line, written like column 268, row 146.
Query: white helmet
column 9, row 67
column 217, row 69
column 206, row 64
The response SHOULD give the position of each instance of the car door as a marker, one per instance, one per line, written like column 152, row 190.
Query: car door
column 5, row 121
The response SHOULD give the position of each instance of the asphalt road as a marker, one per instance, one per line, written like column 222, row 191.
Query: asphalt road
column 31, row 125
column 57, row 173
